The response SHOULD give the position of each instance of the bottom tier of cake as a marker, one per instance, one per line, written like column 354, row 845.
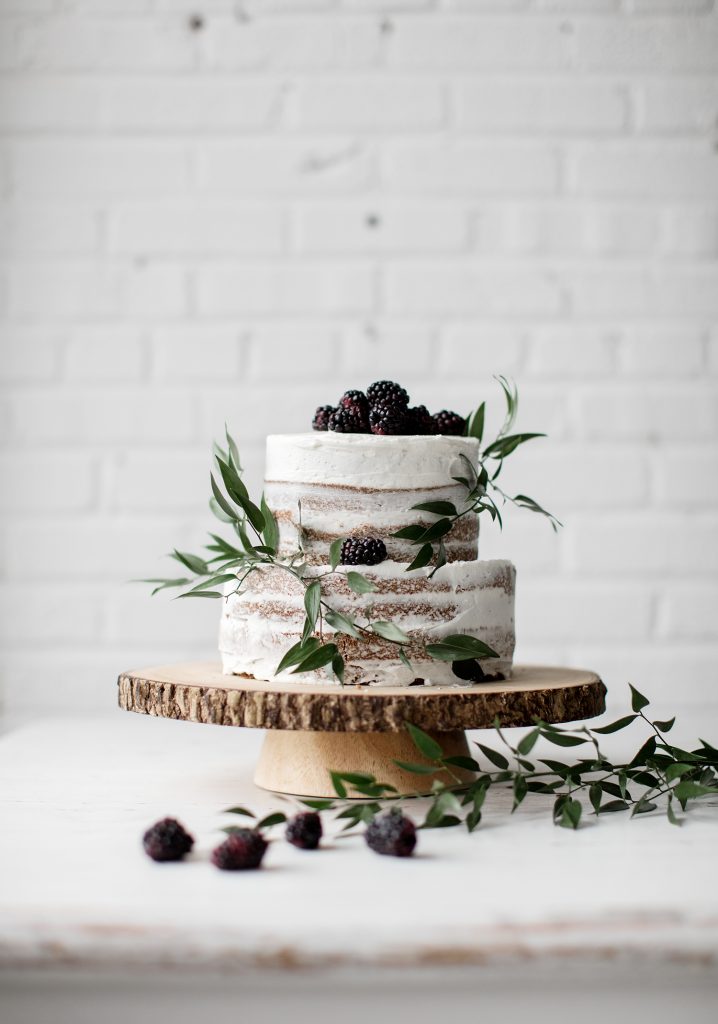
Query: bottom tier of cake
column 260, row 624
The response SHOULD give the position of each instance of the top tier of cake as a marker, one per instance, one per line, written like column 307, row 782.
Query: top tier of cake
column 364, row 485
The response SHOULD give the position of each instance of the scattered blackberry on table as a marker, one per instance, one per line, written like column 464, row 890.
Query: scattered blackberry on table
column 392, row 834
column 386, row 392
column 305, row 830
column 240, row 851
column 348, row 421
column 388, row 419
column 167, row 840
column 357, row 402
column 321, row 417
column 449, row 422
column 362, row 551
column 420, row 420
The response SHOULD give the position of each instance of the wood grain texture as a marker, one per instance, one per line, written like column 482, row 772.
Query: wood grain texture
column 198, row 692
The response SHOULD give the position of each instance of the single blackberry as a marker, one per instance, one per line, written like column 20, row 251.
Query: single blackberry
column 386, row 392
column 363, row 551
column 471, row 670
column 321, row 417
column 348, row 421
column 449, row 422
column 392, row 834
column 240, row 851
column 356, row 401
column 388, row 419
column 305, row 830
column 420, row 420
column 167, row 840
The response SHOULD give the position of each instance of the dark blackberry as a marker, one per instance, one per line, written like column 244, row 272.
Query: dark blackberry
column 386, row 392
column 305, row 830
column 240, row 851
column 392, row 834
column 357, row 402
column 420, row 420
column 388, row 419
column 363, row 551
column 348, row 421
column 167, row 840
column 449, row 422
column 321, row 417
column 472, row 672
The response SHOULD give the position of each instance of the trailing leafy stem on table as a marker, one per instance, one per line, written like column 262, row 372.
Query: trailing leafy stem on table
column 256, row 544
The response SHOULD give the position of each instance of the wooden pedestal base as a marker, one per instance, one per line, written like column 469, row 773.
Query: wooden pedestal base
column 299, row 763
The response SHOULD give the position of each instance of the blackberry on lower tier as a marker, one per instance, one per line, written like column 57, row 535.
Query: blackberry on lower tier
column 387, row 392
column 241, row 851
column 167, row 840
column 304, row 830
column 363, row 551
column 449, row 423
column 321, row 417
column 391, row 834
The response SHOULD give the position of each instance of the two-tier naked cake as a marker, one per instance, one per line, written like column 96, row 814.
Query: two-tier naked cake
column 339, row 483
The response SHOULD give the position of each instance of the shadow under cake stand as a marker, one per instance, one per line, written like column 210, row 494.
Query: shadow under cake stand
column 314, row 729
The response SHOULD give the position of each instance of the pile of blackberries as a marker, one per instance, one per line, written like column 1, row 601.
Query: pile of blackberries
column 384, row 409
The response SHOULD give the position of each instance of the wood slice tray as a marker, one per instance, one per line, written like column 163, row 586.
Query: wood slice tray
column 313, row 729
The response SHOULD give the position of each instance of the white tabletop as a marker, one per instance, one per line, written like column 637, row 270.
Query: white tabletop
column 77, row 889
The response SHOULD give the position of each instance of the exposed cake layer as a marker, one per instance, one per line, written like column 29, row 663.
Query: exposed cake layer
column 476, row 598
column 366, row 485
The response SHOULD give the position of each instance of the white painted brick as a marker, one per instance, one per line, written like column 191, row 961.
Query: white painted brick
column 682, row 106
column 9, row 55
column 478, row 44
column 579, row 6
column 647, row 170
column 69, row 43
column 689, row 610
column 651, row 414
column 664, row 45
column 679, row 545
column 101, row 168
column 466, row 289
column 30, row 104
column 289, row 352
column 526, row 539
column 44, row 483
column 535, row 107
column 155, row 291
column 499, row 169
column 628, row 291
column 54, row 613
column 691, row 231
column 662, row 352
column 104, row 353
column 479, row 350
column 382, row 227
column 275, row 166
column 64, row 290
column 195, row 228
column 376, row 104
column 687, row 478
column 595, row 611
column 101, row 415
column 243, row 407
column 315, row 44
column 196, row 352
column 564, row 350
column 669, row 6
column 286, row 288
column 135, row 618
column 388, row 351
column 162, row 482
column 29, row 353
column 48, row 229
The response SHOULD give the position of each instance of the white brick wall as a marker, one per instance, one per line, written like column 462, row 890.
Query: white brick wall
column 216, row 211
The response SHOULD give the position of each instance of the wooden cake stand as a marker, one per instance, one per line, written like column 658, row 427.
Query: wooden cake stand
column 312, row 729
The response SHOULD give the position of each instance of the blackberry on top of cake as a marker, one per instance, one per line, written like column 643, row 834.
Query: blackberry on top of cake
column 384, row 409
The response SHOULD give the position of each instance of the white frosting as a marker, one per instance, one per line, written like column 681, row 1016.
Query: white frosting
column 368, row 460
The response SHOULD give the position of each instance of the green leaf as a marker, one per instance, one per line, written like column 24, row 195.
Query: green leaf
column 276, row 818
column 217, row 512
column 231, row 513
column 202, row 593
column 687, row 790
column 415, row 769
column 494, row 756
column 520, row 790
column 341, row 623
column 423, row 558
column 240, row 810
column 338, row 667
column 638, row 701
column 194, row 563
column 512, row 402
column 164, row 584
column 335, row 552
column 620, row 723
column 674, row 771
column 438, row 529
column 527, row 744
column 614, row 805
column 360, row 584
column 312, row 603
column 339, row 787
column 411, row 533
column 665, row 726
column 424, row 743
column 318, row 805
column 404, row 660
column 317, row 659
column 562, row 739
column 232, row 450
column 437, row 508
column 389, row 631
column 298, row 652
column 238, row 492
column 504, row 446
column 647, row 750
column 595, row 794
column 459, row 761
column 671, row 814
column 459, row 647
column 571, row 814
column 270, row 533
column 475, row 424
